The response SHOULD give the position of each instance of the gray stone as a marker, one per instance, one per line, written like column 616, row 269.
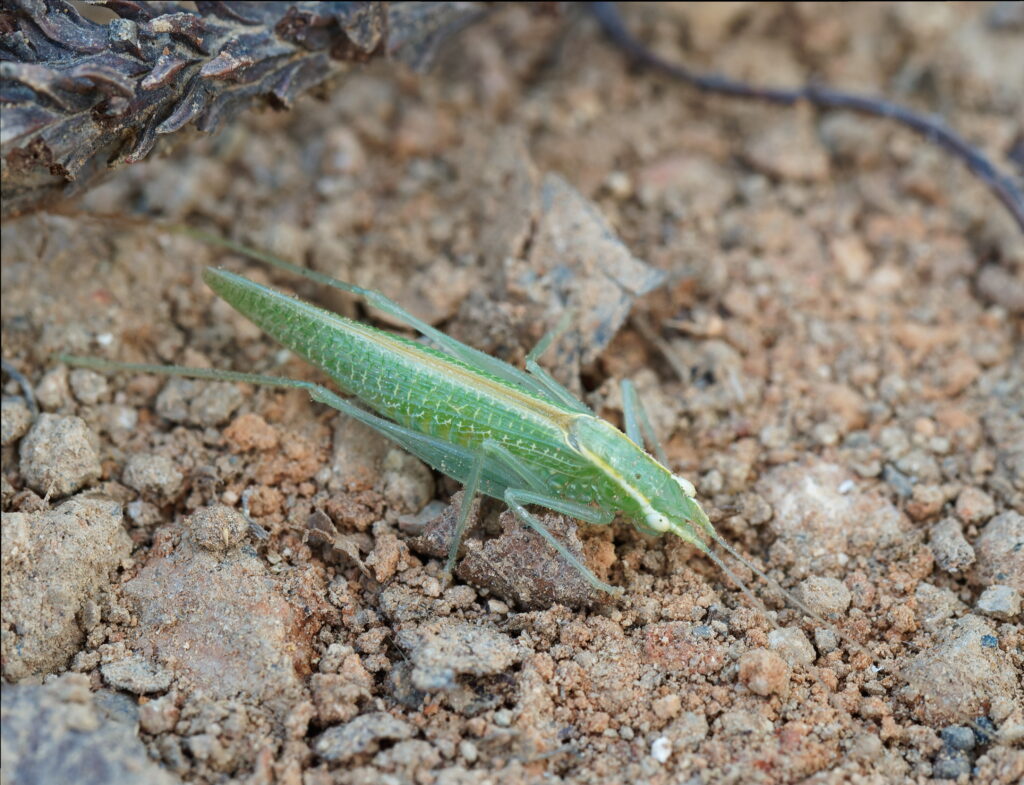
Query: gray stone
column 88, row 386
column 137, row 675
column 958, row 737
column 153, row 475
column 959, row 677
column 827, row 597
column 951, row 550
column 55, row 564
column 56, row 733
column 360, row 736
column 192, row 402
column 950, row 766
column 15, row 421
column 443, row 649
column 217, row 528
column 1000, row 602
column 1000, row 552
column 792, row 644
column 58, row 456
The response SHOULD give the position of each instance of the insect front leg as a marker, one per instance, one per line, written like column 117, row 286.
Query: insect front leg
column 516, row 499
column 638, row 424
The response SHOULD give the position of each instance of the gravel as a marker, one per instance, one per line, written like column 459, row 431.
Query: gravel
column 764, row 672
column 792, row 645
column 218, row 528
column 958, row 678
column 58, row 456
column 442, row 650
column 136, row 675
column 361, row 736
column 950, row 548
column 1000, row 602
column 57, row 733
column 1000, row 552
column 152, row 475
column 54, row 565
column 15, row 420
column 203, row 404
column 827, row 597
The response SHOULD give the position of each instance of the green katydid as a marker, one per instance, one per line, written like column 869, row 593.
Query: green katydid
column 518, row 436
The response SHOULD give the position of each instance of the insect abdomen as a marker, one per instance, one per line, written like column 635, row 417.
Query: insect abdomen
column 413, row 385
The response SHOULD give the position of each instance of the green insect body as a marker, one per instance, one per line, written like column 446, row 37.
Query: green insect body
column 515, row 435
column 500, row 431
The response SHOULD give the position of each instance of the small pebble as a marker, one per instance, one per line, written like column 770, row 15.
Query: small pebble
column 16, row 420
column 926, row 501
column 58, row 456
column 827, row 597
column 136, row 675
column 154, row 475
column 88, row 386
column 217, row 528
column 468, row 751
column 974, row 506
column 958, row 737
column 1000, row 602
column 503, row 718
column 951, row 550
column 764, row 672
column 826, row 640
column 935, row 605
column 1000, row 551
column 792, row 644
column 951, row 766
column 661, row 749
column 667, row 707
column 960, row 675
column 443, row 649
column 159, row 715
column 898, row 481
column 53, row 392
column 362, row 735
column 193, row 402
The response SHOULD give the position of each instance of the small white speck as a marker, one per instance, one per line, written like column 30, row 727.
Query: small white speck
column 661, row 749
column 846, row 486
column 104, row 339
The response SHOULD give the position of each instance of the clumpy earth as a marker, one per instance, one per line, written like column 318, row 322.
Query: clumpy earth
column 214, row 583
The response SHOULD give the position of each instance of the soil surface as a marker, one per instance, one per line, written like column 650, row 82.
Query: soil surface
column 209, row 582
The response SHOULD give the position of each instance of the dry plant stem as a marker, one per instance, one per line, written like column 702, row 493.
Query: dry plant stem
column 930, row 127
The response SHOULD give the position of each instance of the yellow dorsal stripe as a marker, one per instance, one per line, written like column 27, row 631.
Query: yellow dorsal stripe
column 492, row 387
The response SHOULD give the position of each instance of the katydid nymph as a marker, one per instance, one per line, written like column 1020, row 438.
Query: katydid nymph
column 517, row 436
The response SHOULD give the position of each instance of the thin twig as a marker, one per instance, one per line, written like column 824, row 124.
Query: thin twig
column 931, row 128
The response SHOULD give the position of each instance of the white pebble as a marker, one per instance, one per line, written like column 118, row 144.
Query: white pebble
column 661, row 749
